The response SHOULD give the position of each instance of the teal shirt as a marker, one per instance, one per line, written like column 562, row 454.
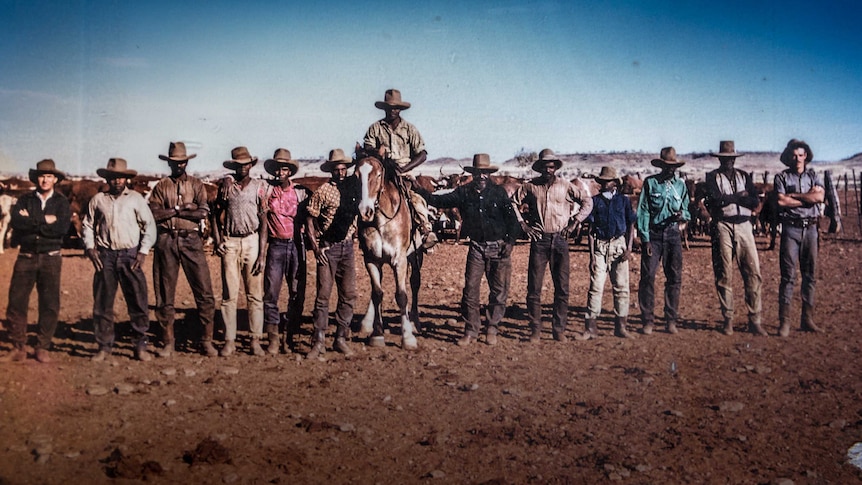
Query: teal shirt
column 660, row 200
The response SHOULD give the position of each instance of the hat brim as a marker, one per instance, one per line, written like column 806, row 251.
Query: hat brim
column 34, row 174
column 329, row 164
column 178, row 159
column 234, row 164
column 272, row 166
column 726, row 154
column 488, row 169
column 658, row 162
column 617, row 179
column 384, row 105
column 112, row 174
column 538, row 163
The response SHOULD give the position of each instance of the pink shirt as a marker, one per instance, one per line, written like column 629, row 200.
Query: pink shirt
column 283, row 205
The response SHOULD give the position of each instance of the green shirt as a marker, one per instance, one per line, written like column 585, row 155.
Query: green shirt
column 659, row 201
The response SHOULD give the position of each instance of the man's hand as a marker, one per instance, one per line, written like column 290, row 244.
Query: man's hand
column 648, row 248
column 24, row 213
column 189, row 206
column 139, row 261
column 571, row 230
column 320, row 254
column 258, row 265
column 50, row 218
column 220, row 249
column 627, row 255
column 506, row 250
column 93, row 254
column 531, row 232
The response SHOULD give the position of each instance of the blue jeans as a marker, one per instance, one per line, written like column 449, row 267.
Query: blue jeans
column 497, row 268
column 551, row 250
column 117, row 269
column 799, row 247
column 666, row 247
column 283, row 264
column 41, row 270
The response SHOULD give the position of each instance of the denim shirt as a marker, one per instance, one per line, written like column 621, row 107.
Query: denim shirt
column 611, row 218
column 659, row 200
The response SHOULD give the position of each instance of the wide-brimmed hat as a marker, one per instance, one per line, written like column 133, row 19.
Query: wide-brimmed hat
column 177, row 153
column 239, row 156
column 481, row 164
column 608, row 174
column 280, row 159
column 117, row 167
column 392, row 99
column 792, row 145
column 336, row 157
column 667, row 157
column 726, row 148
column 43, row 167
column 546, row 155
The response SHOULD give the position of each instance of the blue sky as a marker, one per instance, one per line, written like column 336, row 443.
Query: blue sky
column 83, row 81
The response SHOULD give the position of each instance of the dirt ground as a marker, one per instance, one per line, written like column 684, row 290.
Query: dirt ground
column 696, row 407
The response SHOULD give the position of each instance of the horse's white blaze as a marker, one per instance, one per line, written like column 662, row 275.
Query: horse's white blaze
column 366, row 203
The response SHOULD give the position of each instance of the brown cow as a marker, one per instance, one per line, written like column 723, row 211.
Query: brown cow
column 79, row 193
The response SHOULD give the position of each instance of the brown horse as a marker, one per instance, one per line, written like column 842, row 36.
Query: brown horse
column 386, row 236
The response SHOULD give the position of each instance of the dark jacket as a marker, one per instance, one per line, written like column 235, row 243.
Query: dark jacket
column 31, row 232
column 486, row 215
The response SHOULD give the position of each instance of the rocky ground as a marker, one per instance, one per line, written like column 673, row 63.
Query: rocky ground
column 697, row 407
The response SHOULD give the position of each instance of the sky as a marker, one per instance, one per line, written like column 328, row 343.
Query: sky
column 82, row 81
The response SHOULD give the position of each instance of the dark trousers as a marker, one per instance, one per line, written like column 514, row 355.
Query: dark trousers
column 43, row 272
column 551, row 250
column 171, row 252
column 666, row 246
column 799, row 247
column 340, row 270
column 484, row 259
column 283, row 264
column 117, row 269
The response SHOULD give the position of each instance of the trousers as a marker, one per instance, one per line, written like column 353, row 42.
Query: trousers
column 488, row 260
column 799, row 247
column 734, row 243
column 284, row 264
column 117, row 270
column 237, row 263
column 552, row 250
column 607, row 260
column 666, row 248
column 340, row 270
column 41, row 270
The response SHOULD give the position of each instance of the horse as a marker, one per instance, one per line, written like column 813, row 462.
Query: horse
column 386, row 236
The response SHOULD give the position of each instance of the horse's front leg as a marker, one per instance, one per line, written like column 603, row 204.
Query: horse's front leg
column 408, row 340
column 415, row 260
column 372, row 323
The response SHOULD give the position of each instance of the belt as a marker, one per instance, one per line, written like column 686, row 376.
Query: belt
column 178, row 232
column 801, row 222
column 238, row 235
column 664, row 225
column 280, row 240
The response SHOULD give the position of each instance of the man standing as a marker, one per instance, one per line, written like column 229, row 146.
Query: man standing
column 396, row 140
column 179, row 204
column 238, row 238
column 332, row 212
column 40, row 219
column 490, row 222
column 118, row 232
column 799, row 193
column 612, row 222
column 663, row 204
column 552, row 216
column 285, row 254
column 730, row 198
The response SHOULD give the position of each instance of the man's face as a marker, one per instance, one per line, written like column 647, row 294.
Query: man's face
column 46, row 182
column 549, row 170
column 393, row 114
column 727, row 162
column 799, row 156
column 284, row 173
column 116, row 185
column 178, row 168
column 339, row 173
column 242, row 170
column 608, row 185
column 481, row 179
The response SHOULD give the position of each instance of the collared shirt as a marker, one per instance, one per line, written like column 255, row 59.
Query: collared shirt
column 659, row 201
column 170, row 192
column 32, row 232
column 120, row 222
column 282, row 209
column 552, row 206
column 336, row 208
column 611, row 218
column 403, row 143
column 790, row 182
column 719, row 186
column 242, row 206
column 487, row 215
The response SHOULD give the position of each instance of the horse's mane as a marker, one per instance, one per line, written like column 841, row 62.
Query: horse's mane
column 390, row 171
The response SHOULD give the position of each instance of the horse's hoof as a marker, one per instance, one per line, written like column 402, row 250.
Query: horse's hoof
column 409, row 344
column 377, row 341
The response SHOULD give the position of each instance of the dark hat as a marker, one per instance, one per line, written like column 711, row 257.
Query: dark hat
column 726, row 148
column 280, row 159
column 667, row 157
column 392, row 99
column 336, row 157
column 607, row 174
column 481, row 163
column 546, row 155
column 43, row 167
column 177, row 153
column 116, row 168
column 239, row 156
column 792, row 145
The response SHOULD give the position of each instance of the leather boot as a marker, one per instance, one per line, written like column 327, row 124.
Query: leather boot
column 168, row 338
column 783, row 320
column 671, row 327
column 318, row 346
column 208, row 349
column 808, row 319
column 256, row 350
column 648, row 327
column 757, row 329
column 728, row 326
column 272, row 347
column 620, row 328
column 228, row 349
column 535, row 335
column 591, row 330
column 18, row 354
